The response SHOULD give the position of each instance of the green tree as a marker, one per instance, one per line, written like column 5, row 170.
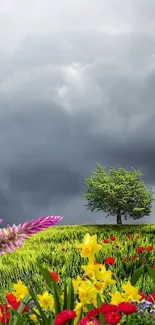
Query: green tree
column 118, row 192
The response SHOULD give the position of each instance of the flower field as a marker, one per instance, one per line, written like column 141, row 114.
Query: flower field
column 124, row 248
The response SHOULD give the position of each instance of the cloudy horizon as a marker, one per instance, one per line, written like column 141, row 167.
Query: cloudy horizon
column 76, row 86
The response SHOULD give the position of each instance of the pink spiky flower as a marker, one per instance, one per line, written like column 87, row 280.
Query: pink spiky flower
column 14, row 237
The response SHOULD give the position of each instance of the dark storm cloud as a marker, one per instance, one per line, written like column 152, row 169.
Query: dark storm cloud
column 68, row 99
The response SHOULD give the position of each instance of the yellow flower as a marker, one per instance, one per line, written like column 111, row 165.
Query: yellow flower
column 89, row 247
column 46, row 301
column 76, row 282
column 34, row 317
column 107, row 277
column 99, row 286
column 21, row 290
column 131, row 292
column 87, row 292
column 90, row 269
column 116, row 298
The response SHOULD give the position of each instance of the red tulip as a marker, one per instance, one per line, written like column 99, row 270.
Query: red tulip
column 110, row 260
column 140, row 249
column 149, row 248
column 113, row 238
column 106, row 241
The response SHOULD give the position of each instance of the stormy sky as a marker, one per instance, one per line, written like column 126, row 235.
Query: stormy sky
column 77, row 85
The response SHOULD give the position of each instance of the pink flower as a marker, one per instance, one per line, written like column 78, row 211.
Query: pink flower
column 14, row 237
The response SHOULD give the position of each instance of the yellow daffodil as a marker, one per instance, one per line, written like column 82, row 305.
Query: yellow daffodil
column 99, row 286
column 116, row 298
column 131, row 292
column 90, row 269
column 21, row 290
column 106, row 277
column 46, row 301
column 76, row 283
column 89, row 247
column 88, row 290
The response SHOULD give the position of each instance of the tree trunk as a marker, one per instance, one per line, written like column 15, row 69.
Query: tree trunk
column 119, row 220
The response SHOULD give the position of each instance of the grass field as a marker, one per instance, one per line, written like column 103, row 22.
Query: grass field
column 55, row 248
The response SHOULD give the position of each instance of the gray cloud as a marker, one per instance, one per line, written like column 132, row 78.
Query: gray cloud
column 70, row 96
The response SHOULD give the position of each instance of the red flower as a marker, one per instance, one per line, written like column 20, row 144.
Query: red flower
column 93, row 313
column 151, row 297
column 142, row 261
column 107, row 308
column 10, row 297
column 64, row 317
column 55, row 276
column 106, row 241
column 127, row 308
column 117, row 246
column 128, row 236
column 85, row 321
column 133, row 258
column 113, row 238
column 110, row 260
column 142, row 295
column 140, row 249
column 138, row 237
column 63, row 249
column 112, row 318
column 149, row 248
column 14, row 302
column 154, row 266
column 5, row 314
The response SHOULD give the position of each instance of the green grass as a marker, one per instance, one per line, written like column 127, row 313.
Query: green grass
column 45, row 248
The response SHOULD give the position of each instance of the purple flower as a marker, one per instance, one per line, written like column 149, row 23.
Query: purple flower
column 14, row 237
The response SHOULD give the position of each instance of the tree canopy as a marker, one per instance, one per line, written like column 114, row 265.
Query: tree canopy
column 118, row 192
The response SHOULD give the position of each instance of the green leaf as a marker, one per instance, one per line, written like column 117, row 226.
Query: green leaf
column 78, row 318
column 53, row 287
column 151, row 272
column 19, row 311
column 65, row 296
column 42, row 313
column 70, row 298
column 48, row 278
column 17, row 318
column 57, row 303
column 137, row 275
column 99, row 304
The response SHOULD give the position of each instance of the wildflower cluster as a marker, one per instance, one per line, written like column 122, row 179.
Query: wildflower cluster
column 97, row 298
